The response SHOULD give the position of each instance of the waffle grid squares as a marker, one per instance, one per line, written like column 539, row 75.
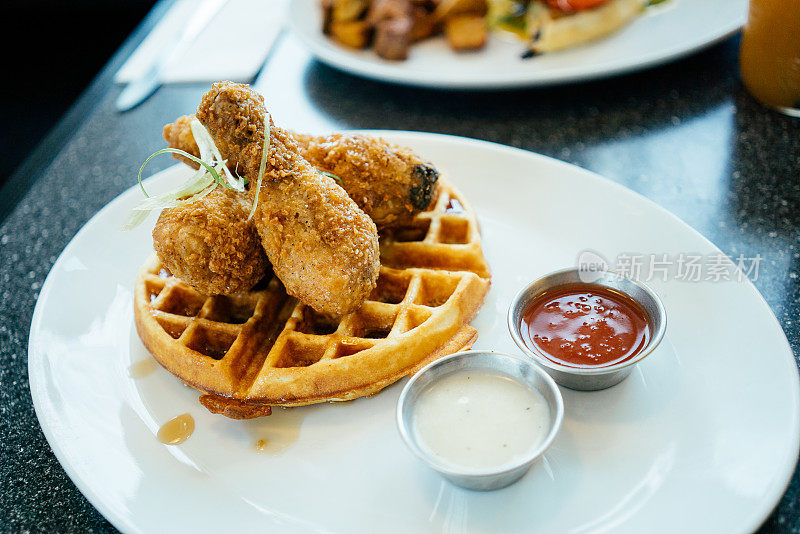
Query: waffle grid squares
column 447, row 223
column 359, row 331
column 210, row 325
column 446, row 237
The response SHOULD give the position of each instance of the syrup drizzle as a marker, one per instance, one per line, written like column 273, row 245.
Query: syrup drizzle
column 176, row 430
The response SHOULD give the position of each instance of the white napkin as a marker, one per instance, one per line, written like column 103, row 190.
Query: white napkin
column 232, row 47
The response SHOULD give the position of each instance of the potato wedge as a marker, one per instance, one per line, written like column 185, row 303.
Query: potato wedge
column 348, row 10
column 465, row 32
column 449, row 8
column 354, row 34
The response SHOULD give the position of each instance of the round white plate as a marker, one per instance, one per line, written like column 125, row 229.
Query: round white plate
column 703, row 437
column 665, row 32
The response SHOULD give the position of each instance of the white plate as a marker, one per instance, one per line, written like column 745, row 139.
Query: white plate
column 666, row 31
column 702, row 437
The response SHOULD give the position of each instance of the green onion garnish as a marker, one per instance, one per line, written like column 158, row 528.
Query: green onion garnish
column 213, row 171
column 183, row 153
column 201, row 184
column 262, row 165
column 330, row 175
column 210, row 152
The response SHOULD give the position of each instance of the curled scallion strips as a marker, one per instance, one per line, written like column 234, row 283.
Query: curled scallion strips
column 262, row 166
column 198, row 186
column 213, row 171
column 209, row 168
column 210, row 152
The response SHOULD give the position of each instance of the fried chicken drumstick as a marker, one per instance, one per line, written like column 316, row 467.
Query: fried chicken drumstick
column 391, row 184
column 210, row 245
column 321, row 245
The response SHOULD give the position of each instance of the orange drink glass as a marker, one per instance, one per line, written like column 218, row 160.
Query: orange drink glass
column 769, row 58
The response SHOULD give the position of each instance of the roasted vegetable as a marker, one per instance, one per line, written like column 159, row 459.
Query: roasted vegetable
column 348, row 10
column 393, row 38
column 508, row 15
column 449, row 8
column 393, row 21
column 424, row 26
column 389, row 10
column 355, row 33
column 465, row 32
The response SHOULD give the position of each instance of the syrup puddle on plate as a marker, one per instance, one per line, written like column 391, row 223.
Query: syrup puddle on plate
column 176, row 430
column 277, row 432
column 142, row 368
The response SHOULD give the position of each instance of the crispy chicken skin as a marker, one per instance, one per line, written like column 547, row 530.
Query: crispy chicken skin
column 391, row 184
column 321, row 245
column 210, row 245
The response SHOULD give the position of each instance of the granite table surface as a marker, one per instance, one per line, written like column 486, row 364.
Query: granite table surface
column 685, row 135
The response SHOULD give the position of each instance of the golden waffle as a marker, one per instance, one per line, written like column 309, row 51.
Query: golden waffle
column 263, row 347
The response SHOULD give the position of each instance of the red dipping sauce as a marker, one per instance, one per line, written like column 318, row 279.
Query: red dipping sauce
column 585, row 325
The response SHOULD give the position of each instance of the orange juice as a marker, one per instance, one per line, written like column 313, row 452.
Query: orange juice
column 769, row 58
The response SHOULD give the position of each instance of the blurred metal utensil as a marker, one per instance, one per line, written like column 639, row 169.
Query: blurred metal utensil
column 138, row 90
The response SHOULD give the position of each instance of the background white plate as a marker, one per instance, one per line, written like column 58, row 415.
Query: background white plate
column 703, row 437
column 666, row 31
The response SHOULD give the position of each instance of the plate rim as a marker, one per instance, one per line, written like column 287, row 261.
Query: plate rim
column 341, row 59
column 124, row 523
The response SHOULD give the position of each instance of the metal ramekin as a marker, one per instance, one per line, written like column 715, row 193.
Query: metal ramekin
column 590, row 379
column 503, row 364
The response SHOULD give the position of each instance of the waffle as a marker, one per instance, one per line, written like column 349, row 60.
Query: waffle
column 263, row 348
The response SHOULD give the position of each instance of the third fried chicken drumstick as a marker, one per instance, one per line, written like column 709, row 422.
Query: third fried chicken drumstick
column 391, row 184
column 321, row 245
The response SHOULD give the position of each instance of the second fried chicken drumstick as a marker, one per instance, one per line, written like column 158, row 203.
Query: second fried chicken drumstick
column 391, row 184
column 321, row 245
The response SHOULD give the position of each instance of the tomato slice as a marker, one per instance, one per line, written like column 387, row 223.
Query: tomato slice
column 575, row 5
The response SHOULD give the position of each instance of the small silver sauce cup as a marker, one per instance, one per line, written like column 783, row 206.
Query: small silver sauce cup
column 474, row 360
column 593, row 378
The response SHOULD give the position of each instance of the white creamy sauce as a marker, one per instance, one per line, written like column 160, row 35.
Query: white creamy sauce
column 480, row 419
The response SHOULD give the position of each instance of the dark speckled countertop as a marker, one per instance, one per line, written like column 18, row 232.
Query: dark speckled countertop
column 685, row 135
